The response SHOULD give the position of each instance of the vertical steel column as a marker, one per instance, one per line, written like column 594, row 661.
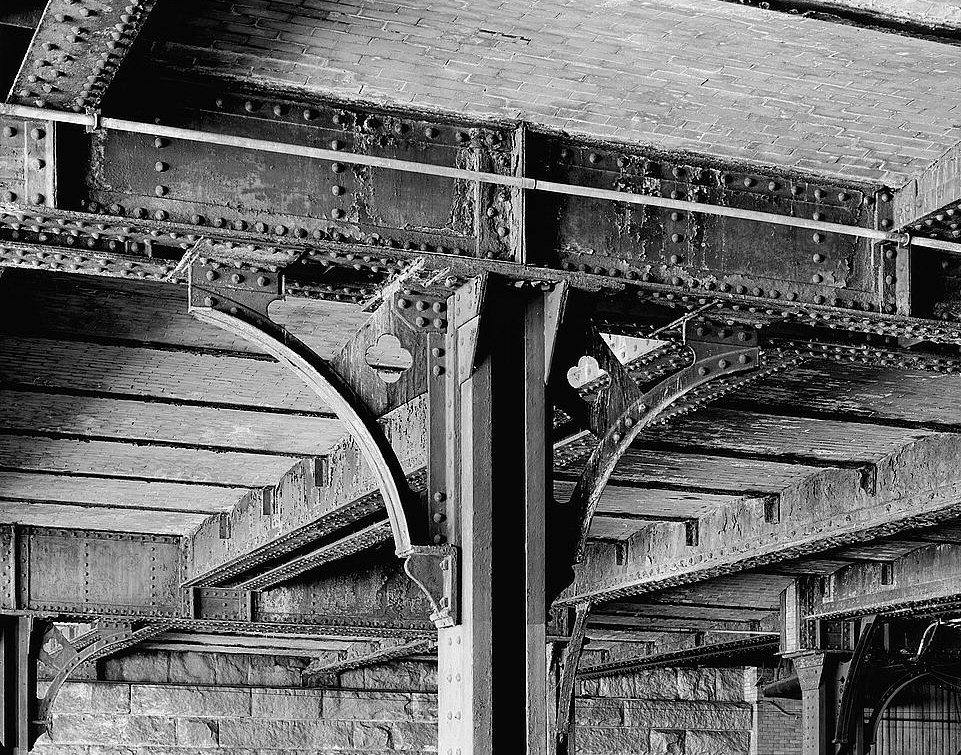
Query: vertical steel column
column 817, row 703
column 493, row 666
column 19, row 691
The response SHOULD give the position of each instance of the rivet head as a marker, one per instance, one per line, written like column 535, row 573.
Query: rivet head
column 212, row 275
column 236, row 278
column 440, row 497
column 37, row 133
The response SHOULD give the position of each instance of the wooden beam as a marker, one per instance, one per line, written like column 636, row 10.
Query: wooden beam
column 706, row 449
column 153, row 374
column 312, row 502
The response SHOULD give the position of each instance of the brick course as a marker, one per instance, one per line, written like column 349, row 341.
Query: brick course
column 717, row 78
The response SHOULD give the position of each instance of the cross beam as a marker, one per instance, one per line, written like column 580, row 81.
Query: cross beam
column 916, row 486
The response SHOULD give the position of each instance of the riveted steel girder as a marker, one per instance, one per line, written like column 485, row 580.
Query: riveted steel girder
column 76, row 51
column 88, row 574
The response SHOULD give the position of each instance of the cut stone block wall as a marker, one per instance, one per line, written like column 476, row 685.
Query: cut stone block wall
column 177, row 703
column 186, row 703
column 115, row 718
column 669, row 711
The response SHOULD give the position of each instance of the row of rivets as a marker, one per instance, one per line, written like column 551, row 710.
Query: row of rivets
column 649, row 167
column 370, row 124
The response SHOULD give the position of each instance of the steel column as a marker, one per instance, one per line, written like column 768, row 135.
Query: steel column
column 18, row 702
column 493, row 666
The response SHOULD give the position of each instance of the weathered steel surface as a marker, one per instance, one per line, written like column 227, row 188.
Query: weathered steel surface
column 916, row 486
column 76, row 51
column 283, row 196
column 111, row 575
column 713, row 253
column 88, row 572
column 928, row 579
column 28, row 162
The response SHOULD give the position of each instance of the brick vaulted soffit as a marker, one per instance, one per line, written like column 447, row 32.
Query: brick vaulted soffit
column 727, row 80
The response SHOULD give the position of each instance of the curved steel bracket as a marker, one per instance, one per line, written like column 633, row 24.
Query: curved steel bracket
column 107, row 638
column 434, row 569
column 230, row 303
column 630, row 411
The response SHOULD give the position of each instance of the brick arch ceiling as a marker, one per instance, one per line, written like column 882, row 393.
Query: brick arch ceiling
column 712, row 77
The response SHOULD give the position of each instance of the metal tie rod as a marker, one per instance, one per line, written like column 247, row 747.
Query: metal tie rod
column 94, row 121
